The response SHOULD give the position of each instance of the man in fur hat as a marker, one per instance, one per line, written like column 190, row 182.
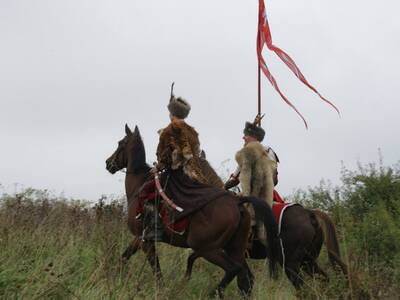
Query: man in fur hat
column 179, row 145
column 179, row 148
column 257, row 170
column 249, row 134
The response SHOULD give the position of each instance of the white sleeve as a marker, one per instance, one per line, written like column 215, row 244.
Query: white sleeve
column 236, row 173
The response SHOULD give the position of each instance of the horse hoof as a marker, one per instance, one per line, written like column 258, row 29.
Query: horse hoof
column 217, row 293
column 160, row 280
column 123, row 260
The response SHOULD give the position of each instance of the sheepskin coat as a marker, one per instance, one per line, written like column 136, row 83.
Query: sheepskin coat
column 256, row 172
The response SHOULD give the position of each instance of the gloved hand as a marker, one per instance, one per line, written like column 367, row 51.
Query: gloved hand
column 231, row 183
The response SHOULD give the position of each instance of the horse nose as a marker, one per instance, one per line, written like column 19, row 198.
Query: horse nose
column 108, row 162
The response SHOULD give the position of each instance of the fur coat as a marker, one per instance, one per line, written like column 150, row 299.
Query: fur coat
column 257, row 172
column 178, row 147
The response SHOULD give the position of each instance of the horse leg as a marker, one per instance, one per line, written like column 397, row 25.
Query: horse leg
column 131, row 249
column 312, row 268
column 245, row 278
column 245, row 281
column 236, row 251
column 189, row 266
column 151, row 255
column 292, row 267
column 231, row 268
column 293, row 273
column 317, row 269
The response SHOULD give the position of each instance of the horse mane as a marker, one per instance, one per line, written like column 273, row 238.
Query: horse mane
column 208, row 171
column 138, row 163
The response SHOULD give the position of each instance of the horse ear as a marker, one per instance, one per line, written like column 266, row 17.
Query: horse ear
column 127, row 130
column 136, row 131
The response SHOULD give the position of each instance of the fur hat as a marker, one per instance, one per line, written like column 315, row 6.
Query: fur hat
column 178, row 107
column 251, row 129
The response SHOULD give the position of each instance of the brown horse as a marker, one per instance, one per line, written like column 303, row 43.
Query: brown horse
column 303, row 232
column 218, row 231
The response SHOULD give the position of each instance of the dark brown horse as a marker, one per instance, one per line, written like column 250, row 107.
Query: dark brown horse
column 303, row 232
column 217, row 232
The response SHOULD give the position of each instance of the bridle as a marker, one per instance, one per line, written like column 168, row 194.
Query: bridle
column 113, row 163
column 159, row 188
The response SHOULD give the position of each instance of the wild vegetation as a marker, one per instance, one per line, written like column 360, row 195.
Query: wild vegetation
column 56, row 248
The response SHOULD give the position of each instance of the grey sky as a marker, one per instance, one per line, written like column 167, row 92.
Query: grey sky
column 72, row 73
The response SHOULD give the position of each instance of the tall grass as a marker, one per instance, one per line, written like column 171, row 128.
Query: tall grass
column 53, row 248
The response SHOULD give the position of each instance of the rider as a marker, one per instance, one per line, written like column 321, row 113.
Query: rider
column 257, row 169
column 178, row 147
column 253, row 132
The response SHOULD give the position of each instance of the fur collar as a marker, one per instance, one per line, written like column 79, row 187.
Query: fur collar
column 251, row 152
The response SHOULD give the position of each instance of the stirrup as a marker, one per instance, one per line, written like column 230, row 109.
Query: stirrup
column 154, row 231
column 152, row 235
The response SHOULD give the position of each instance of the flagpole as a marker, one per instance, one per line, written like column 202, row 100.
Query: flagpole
column 259, row 78
column 259, row 91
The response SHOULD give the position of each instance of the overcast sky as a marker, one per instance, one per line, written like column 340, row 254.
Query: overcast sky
column 72, row 73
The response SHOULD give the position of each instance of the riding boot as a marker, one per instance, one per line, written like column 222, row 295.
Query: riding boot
column 154, row 230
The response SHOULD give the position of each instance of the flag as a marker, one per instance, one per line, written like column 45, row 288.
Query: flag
column 264, row 38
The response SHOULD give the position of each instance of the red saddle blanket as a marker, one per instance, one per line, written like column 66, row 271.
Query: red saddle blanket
column 278, row 208
column 149, row 193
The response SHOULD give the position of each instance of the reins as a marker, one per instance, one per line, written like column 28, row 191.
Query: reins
column 159, row 188
column 137, row 192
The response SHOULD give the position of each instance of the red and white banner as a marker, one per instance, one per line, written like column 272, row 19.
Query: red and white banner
column 264, row 38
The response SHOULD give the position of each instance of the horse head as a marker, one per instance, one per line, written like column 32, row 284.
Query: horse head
column 130, row 154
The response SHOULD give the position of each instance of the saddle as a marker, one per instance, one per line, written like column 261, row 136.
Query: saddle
column 188, row 196
column 256, row 249
column 149, row 195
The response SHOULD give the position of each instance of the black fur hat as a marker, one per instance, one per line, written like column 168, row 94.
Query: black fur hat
column 178, row 107
column 251, row 129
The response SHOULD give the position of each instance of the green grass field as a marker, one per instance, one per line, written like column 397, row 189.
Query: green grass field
column 52, row 248
column 60, row 250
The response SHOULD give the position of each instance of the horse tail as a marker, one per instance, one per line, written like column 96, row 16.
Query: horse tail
column 331, row 240
column 264, row 214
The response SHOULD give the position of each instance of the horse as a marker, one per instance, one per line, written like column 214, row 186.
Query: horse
column 303, row 232
column 217, row 232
